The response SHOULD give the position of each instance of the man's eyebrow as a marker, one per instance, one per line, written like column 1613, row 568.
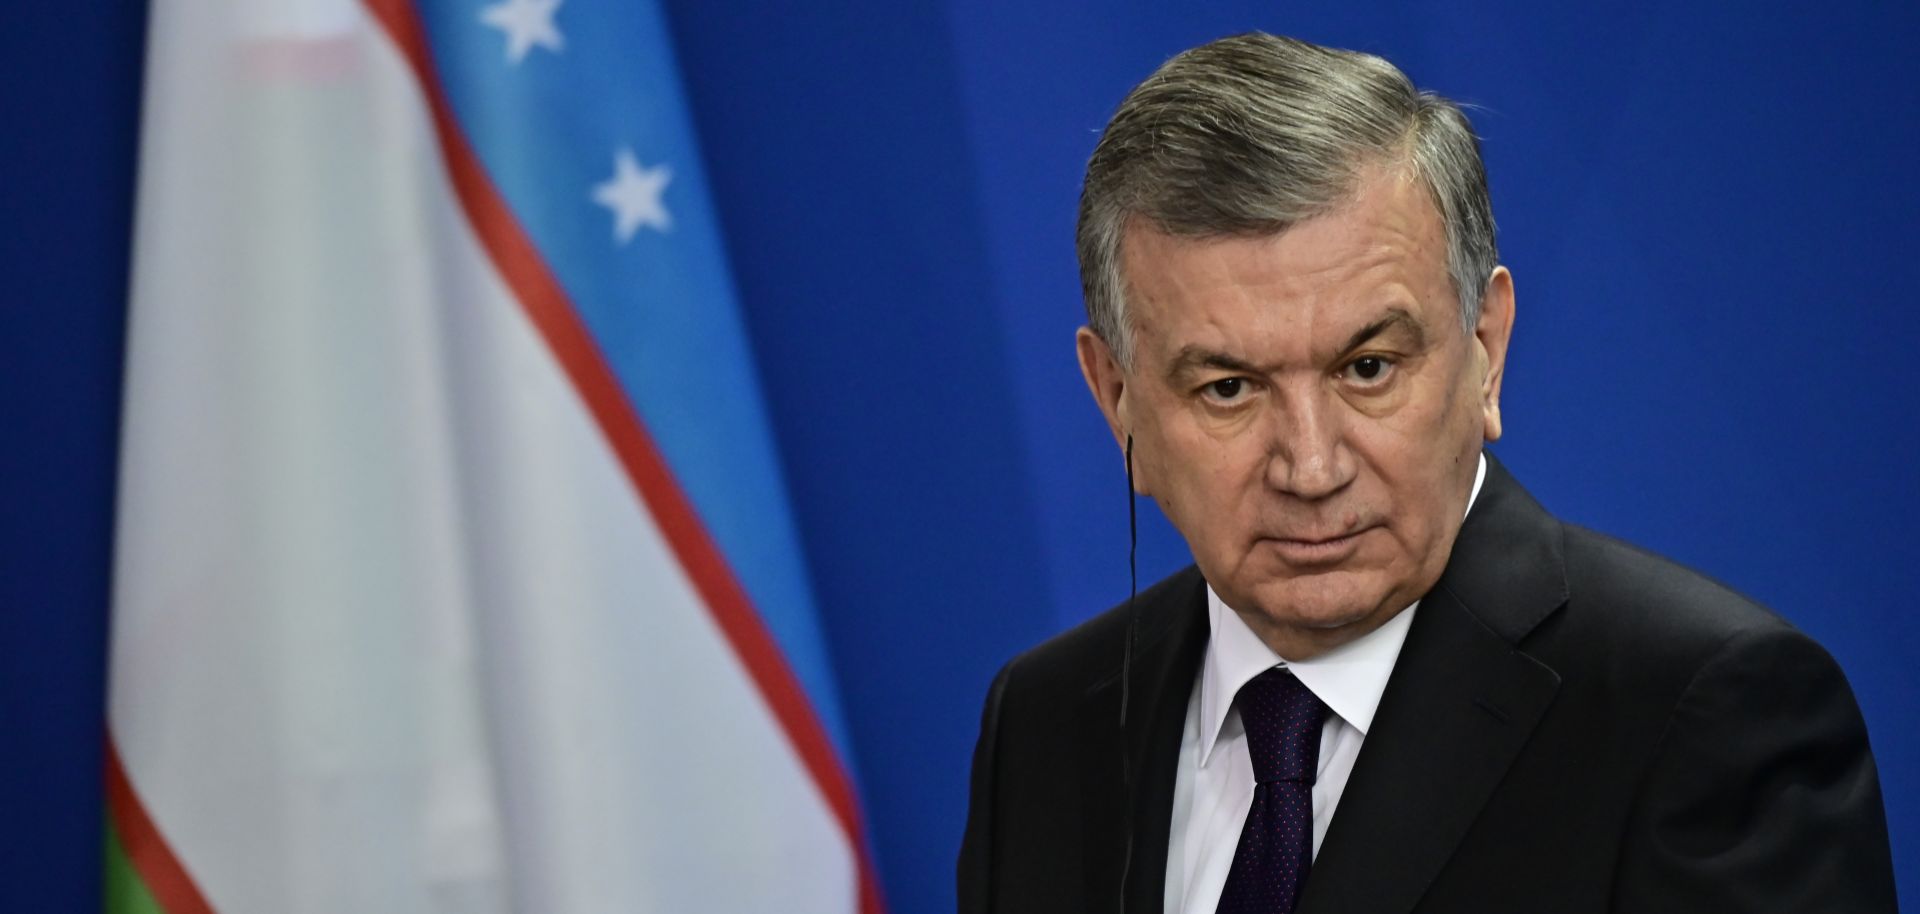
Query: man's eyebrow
column 1395, row 317
column 1191, row 357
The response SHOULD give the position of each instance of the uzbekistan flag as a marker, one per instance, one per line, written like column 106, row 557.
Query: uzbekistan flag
column 454, row 568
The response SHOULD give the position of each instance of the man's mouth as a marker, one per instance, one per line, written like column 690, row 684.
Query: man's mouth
column 1314, row 548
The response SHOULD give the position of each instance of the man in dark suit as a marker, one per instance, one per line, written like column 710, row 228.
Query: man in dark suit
column 1392, row 682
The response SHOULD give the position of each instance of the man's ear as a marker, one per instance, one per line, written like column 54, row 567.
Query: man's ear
column 1107, row 381
column 1491, row 334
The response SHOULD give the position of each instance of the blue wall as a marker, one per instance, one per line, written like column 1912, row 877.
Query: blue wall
column 67, row 134
column 1711, row 218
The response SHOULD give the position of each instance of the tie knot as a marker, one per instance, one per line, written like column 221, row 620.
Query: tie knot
column 1283, row 720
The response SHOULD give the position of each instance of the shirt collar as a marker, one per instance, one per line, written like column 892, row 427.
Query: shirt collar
column 1350, row 678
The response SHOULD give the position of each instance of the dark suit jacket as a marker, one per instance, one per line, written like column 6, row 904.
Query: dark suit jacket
column 1573, row 725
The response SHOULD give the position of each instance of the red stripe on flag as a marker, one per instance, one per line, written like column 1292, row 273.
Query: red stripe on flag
column 547, row 305
column 166, row 880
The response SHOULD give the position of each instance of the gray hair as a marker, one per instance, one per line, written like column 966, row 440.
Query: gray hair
column 1249, row 135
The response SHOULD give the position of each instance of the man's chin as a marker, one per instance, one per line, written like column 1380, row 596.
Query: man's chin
column 1325, row 615
column 1322, row 619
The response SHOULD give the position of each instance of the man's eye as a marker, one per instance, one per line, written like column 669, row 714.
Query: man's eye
column 1227, row 388
column 1370, row 369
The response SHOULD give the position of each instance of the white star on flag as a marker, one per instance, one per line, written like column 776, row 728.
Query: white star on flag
column 526, row 23
column 633, row 193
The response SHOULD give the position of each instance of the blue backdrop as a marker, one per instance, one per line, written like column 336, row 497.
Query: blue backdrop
column 1710, row 213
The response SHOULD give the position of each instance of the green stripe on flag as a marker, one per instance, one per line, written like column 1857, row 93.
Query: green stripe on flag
column 125, row 892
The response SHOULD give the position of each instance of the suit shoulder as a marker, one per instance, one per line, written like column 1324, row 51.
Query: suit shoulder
column 1756, row 787
column 1631, row 598
column 1090, row 653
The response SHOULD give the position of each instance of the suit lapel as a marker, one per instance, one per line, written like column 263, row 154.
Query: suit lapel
column 1172, row 639
column 1460, row 705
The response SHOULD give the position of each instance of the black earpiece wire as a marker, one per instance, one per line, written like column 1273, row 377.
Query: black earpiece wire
column 1126, row 675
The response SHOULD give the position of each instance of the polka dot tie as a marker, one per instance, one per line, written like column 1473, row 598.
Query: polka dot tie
column 1270, row 865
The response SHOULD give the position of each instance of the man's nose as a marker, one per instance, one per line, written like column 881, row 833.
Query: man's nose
column 1308, row 456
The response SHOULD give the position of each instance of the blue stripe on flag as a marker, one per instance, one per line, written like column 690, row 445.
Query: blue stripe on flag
column 660, row 303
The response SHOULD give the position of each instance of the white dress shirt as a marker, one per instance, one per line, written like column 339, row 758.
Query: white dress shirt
column 1214, row 788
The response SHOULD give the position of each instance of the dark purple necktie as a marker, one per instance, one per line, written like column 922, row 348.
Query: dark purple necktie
column 1270, row 866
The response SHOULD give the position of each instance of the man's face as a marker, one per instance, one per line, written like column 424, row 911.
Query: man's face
column 1307, row 409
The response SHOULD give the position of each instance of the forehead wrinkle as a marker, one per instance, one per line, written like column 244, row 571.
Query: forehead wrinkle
column 1276, row 293
column 1390, row 237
